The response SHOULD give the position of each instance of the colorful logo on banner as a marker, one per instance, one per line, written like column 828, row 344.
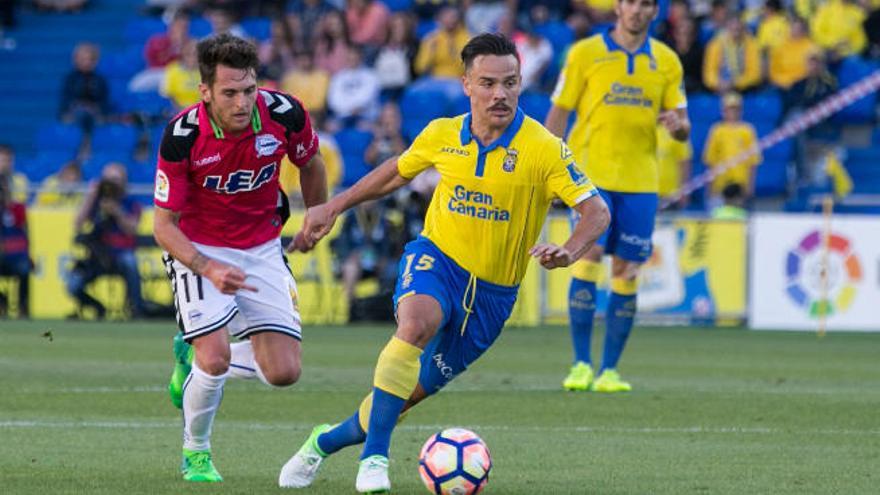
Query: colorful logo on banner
column 805, row 268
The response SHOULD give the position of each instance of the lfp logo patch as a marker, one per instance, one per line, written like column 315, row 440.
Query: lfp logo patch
column 806, row 265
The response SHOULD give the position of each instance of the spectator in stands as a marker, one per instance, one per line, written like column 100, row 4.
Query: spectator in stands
column 727, row 140
column 774, row 27
column 427, row 10
column 580, row 25
column 394, row 62
column 333, row 165
column 15, row 258
column 60, row 5
column 353, row 95
column 18, row 185
column 307, row 82
column 304, row 19
column 387, row 137
column 872, row 30
column 161, row 49
column 276, row 54
column 85, row 95
column 837, row 29
column 332, row 42
column 599, row 11
column 483, row 16
column 673, row 165
column 687, row 45
column 223, row 20
column 535, row 53
column 732, row 60
column 818, row 84
column 181, row 82
column 788, row 60
column 733, row 207
column 113, row 216
column 439, row 52
column 713, row 23
column 366, row 247
column 62, row 188
column 367, row 22
column 541, row 11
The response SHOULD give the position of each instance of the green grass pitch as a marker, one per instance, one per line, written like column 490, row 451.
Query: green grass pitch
column 83, row 409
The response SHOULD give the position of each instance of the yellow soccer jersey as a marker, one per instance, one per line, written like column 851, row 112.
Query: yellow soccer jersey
column 727, row 140
column 617, row 96
column 490, row 204
column 670, row 154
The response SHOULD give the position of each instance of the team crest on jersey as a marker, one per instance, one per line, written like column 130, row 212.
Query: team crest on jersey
column 510, row 160
column 266, row 144
column 162, row 186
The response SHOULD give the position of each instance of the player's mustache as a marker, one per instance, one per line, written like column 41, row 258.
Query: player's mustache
column 499, row 106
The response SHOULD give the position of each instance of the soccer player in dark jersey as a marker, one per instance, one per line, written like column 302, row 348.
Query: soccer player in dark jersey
column 219, row 214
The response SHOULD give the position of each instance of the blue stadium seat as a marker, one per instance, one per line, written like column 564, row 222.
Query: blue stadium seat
column 850, row 71
column 59, row 137
column 424, row 28
column 199, row 27
column 704, row 107
column 422, row 103
column 141, row 172
column 398, row 5
column 139, row 29
column 114, row 138
column 535, row 105
column 771, row 178
column 352, row 145
column 43, row 164
column 764, row 106
column 91, row 168
column 123, row 63
column 152, row 104
column 258, row 27
column 783, row 151
column 558, row 34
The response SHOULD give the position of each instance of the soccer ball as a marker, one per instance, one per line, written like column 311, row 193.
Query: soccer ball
column 455, row 462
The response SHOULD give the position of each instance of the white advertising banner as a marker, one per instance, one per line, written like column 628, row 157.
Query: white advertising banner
column 789, row 261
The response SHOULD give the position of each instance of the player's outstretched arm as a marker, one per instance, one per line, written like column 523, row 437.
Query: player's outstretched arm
column 319, row 220
column 226, row 278
column 557, row 120
column 593, row 222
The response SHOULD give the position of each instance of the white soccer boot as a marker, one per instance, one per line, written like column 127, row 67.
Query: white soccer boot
column 373, row 475
column 301, row 469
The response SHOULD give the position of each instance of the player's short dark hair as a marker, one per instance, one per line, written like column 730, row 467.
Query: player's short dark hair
column 227, row 50
column 487, row 44
column 732, row 191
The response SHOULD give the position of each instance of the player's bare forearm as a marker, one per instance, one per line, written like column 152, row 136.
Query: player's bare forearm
column 557, row 120
column 169, row 236
column 383, row 180
column 313, row 181
column 226, row 278
column 592, row 223
column 677, row 123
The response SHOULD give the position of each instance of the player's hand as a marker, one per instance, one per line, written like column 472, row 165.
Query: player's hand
column 551, row 256
column 670, row 120
column 226, row 278
column 298, row 243
column 317, row 224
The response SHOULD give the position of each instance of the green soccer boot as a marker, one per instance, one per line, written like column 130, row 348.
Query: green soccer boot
column 183, row 357
column 610, row 382
column 579, row 378
column 197, row 466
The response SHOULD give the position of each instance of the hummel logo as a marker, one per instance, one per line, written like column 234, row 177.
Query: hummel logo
column 207, row 160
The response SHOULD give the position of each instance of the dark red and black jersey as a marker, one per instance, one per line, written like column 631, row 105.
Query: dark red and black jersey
column 226, row 187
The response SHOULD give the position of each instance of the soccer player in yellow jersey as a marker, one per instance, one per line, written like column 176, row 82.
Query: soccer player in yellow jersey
column 457, row 283
column 620, row 84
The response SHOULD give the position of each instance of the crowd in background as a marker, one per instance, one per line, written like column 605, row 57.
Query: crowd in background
column 351, row 61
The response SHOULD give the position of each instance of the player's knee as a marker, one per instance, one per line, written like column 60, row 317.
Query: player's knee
column 416, row 331
column 214, row 365
column 283, row 376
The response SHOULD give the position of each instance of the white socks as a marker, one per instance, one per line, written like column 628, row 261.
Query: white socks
column 242, row 363
column 201, row 398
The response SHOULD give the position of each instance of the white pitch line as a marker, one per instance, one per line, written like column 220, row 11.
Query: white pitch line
column 236, row 425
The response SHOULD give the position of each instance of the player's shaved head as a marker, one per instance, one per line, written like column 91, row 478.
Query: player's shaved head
column 225, row 49
column 487, row 44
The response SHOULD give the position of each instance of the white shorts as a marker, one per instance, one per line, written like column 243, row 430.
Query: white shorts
column 202, row 309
